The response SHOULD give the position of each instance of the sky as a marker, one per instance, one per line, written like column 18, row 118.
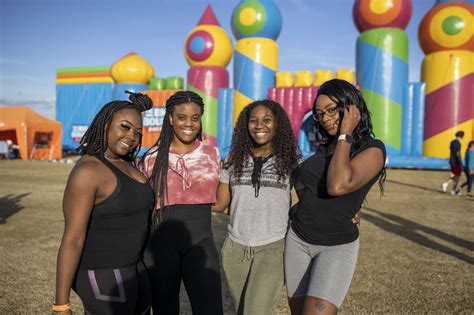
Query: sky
column 37, row 37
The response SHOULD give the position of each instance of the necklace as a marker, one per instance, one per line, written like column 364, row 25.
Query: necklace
column 113, row 160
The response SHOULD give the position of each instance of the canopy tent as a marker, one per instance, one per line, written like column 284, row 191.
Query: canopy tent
column 37, row 136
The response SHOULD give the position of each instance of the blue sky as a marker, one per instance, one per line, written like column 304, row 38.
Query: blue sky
column 37, row 37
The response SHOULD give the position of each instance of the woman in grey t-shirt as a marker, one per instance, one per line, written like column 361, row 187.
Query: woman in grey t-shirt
column 256, row 182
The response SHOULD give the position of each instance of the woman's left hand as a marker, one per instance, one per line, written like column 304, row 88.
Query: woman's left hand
column 356, row 219
column 351, row 119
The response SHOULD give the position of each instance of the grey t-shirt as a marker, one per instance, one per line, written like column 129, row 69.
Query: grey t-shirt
column 256, row 221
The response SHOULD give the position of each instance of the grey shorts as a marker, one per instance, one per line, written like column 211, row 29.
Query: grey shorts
column 319, row 271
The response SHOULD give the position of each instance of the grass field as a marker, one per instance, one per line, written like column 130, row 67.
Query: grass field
column 417, row 244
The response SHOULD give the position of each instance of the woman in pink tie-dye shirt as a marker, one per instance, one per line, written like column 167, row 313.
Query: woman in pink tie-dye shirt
column 185, row 175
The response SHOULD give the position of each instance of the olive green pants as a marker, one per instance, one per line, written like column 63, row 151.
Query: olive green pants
column 255, row 275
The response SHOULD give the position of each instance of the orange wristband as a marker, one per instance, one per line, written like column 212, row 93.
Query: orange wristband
column 61, row 308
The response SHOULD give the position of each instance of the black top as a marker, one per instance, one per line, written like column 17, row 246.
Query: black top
column 321, row 219
column 118, row 226
column 454, row 148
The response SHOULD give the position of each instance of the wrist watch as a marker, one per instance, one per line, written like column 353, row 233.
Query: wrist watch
column 345, row 137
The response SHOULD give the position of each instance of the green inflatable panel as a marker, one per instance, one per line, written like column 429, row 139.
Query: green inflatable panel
column 83, row 70
column 174, row 83
column 157, row 84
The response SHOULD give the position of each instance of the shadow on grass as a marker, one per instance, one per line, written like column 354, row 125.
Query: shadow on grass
column 410, row 230
column 9, row 205
column 415, row 186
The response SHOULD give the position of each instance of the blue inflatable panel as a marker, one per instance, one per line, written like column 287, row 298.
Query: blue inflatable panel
column 418, row 119
column 76, row 107
column 252, row 79
column 225, row 126
column 407, row 118
column 401, row 161
column 381, row 72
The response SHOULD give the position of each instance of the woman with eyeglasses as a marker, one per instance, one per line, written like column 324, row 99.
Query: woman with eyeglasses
column 322, row 243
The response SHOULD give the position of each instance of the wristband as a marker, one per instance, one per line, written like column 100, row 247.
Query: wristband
column 61, row 308
column 345, row 137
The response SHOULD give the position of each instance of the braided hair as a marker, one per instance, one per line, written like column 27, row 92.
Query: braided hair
column 161, row 148
column 284, row 146
column 94, row 141
column 343, row 94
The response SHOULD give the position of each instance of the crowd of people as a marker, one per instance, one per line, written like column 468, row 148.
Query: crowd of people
column 135, row 229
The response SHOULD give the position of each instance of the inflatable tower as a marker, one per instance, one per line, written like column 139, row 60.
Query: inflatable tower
column 208, row 50
column 256, row 25
column 382, row 64
column 446, row 37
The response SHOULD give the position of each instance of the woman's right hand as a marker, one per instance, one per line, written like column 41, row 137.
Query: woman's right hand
column 350, row 120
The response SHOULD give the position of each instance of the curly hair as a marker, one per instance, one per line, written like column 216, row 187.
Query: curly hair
column 284, row 146
column 343, row 94
column 94, row 141
column 161, row 147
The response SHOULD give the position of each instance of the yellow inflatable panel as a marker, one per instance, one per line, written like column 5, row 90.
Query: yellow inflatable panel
column 284, row 79
column 85, row 80
column 240, row 101
column 262, row 50
column 443, row 67
column 322, row 76
column 303, row 78
column 438, row 146
column 345, row 74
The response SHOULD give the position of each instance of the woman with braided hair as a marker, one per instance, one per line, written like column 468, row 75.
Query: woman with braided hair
column 256, row 181
column 185, row 175
column 106, row 206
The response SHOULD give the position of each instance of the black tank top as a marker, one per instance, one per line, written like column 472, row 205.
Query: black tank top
column 321, row 219
column 118, row 227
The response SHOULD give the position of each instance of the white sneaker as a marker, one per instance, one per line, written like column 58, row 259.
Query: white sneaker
column 456, row 192
column 444, row 187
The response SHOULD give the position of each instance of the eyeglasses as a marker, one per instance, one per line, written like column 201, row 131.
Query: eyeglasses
column 318, row 116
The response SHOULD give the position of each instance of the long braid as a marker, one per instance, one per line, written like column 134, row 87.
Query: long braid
column 94, row 141
column 161, row 148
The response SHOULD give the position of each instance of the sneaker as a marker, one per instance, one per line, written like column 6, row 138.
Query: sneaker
column 456, row 192
column 444, row 187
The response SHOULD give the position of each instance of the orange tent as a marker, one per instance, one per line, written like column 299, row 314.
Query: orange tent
column 38, row 137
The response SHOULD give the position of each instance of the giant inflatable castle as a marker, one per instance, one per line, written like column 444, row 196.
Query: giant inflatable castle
column 415, row 120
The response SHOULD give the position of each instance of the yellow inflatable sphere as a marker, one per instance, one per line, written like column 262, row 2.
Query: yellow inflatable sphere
column 132, row 69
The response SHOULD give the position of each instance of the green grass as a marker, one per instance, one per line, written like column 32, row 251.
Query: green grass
column 417, row 244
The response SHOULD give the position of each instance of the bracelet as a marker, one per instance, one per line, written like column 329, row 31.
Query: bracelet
column 61, row 308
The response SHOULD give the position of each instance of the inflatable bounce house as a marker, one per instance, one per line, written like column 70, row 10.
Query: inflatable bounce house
column 416, row 120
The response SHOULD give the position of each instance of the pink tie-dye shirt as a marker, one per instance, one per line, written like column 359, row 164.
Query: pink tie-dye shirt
column 193, row 176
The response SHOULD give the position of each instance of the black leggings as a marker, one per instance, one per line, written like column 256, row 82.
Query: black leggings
column 182, row 248
column 118, row 291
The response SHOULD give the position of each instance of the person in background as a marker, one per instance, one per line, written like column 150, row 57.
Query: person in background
column 455, row 163
column 107, row 204
column 256, row 182
column 469, row 168
column 185, row 175
column 322, row 243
